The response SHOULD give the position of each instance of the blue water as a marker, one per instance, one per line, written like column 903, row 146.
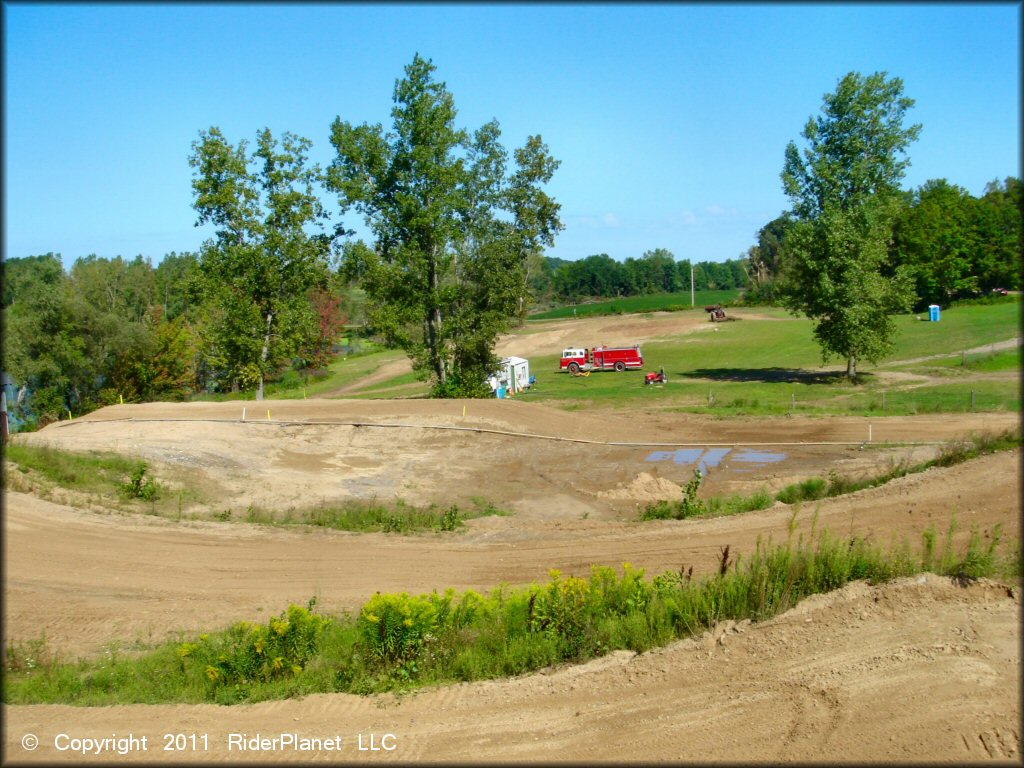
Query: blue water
column 709, row 458
column 758, row 457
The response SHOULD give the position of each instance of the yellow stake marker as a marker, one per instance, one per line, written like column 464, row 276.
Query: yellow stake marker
column 69, row 414
column 121, row 398
column 463, row 410
column 268, row 414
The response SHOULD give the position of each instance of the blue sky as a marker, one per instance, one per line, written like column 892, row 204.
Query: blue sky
column 670, row 120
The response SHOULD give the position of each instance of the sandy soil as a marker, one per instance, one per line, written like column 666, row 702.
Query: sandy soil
column 921, row 670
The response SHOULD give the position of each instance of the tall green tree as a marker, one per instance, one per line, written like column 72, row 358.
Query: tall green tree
column 257, row 270
column 936, row 238
column 454, row 232
column 763, row 262
column 43, row 348
column 175, row 277
column 27, row 276
column 593, row 276
column 844, row 190
column 125, row 289
column 64, row 333
column 999, row 224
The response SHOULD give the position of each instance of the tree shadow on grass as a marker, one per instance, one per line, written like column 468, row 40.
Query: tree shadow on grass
column 774, row 375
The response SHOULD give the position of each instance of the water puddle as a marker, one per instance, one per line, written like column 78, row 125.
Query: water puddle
column 709, row 458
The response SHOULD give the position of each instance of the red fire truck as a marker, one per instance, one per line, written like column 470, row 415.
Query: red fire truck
column 576, row 359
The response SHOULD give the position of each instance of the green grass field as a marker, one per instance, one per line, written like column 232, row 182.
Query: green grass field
column 774, row 366
column 658, row 302
column 765, row 366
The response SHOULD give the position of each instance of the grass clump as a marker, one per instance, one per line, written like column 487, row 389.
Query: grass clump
column 402, row 641
column 688, row 506
column 716, row 506
column 91, row 472
column 139, row 486
column 374, row 517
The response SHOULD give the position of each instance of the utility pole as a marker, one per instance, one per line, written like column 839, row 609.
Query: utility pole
column 692, row 301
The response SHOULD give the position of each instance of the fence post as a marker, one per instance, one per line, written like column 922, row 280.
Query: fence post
column 3, row 416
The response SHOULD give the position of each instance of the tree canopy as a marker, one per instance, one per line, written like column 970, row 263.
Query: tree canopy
column 845, row 195
column 259, row 267
column 454, row 232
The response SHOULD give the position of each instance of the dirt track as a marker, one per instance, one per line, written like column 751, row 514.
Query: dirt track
column 909, row 671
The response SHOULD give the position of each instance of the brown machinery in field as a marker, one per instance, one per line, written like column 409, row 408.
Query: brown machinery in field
column 717, row 313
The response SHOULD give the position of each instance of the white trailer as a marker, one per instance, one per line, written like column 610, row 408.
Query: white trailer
column 513, row 375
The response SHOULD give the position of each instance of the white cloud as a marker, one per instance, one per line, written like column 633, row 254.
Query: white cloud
column 717, row 210
column 610, row 220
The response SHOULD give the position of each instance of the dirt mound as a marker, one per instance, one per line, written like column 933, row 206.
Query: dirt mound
column 645, row 487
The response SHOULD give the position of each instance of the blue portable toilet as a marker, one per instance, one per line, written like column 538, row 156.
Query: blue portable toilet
column 933, row 313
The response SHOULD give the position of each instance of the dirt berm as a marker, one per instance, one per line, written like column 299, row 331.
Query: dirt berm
column 919, row 670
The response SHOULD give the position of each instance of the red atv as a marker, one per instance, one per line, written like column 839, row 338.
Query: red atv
column 656, row 378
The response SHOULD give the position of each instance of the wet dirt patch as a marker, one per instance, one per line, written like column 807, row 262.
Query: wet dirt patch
column 305, row 462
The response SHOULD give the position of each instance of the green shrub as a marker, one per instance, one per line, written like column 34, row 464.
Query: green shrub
column 249, row 653
column 139, row 486
column 689, row 506
column 395, row 628
column 559, row 610
column 808, row 490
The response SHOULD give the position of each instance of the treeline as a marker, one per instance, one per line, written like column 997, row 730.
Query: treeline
column 113, row 330
column 656, row 271
column 955, row 246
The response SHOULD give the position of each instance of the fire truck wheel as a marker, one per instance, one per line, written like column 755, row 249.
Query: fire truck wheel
column 620, row 366
column 574, row 368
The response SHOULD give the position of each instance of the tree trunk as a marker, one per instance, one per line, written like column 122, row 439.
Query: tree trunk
column 442, row 366
column 264, row 354
column 851, row 367
column 434, row 325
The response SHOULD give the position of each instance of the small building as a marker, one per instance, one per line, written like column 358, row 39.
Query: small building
column 513, row 375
